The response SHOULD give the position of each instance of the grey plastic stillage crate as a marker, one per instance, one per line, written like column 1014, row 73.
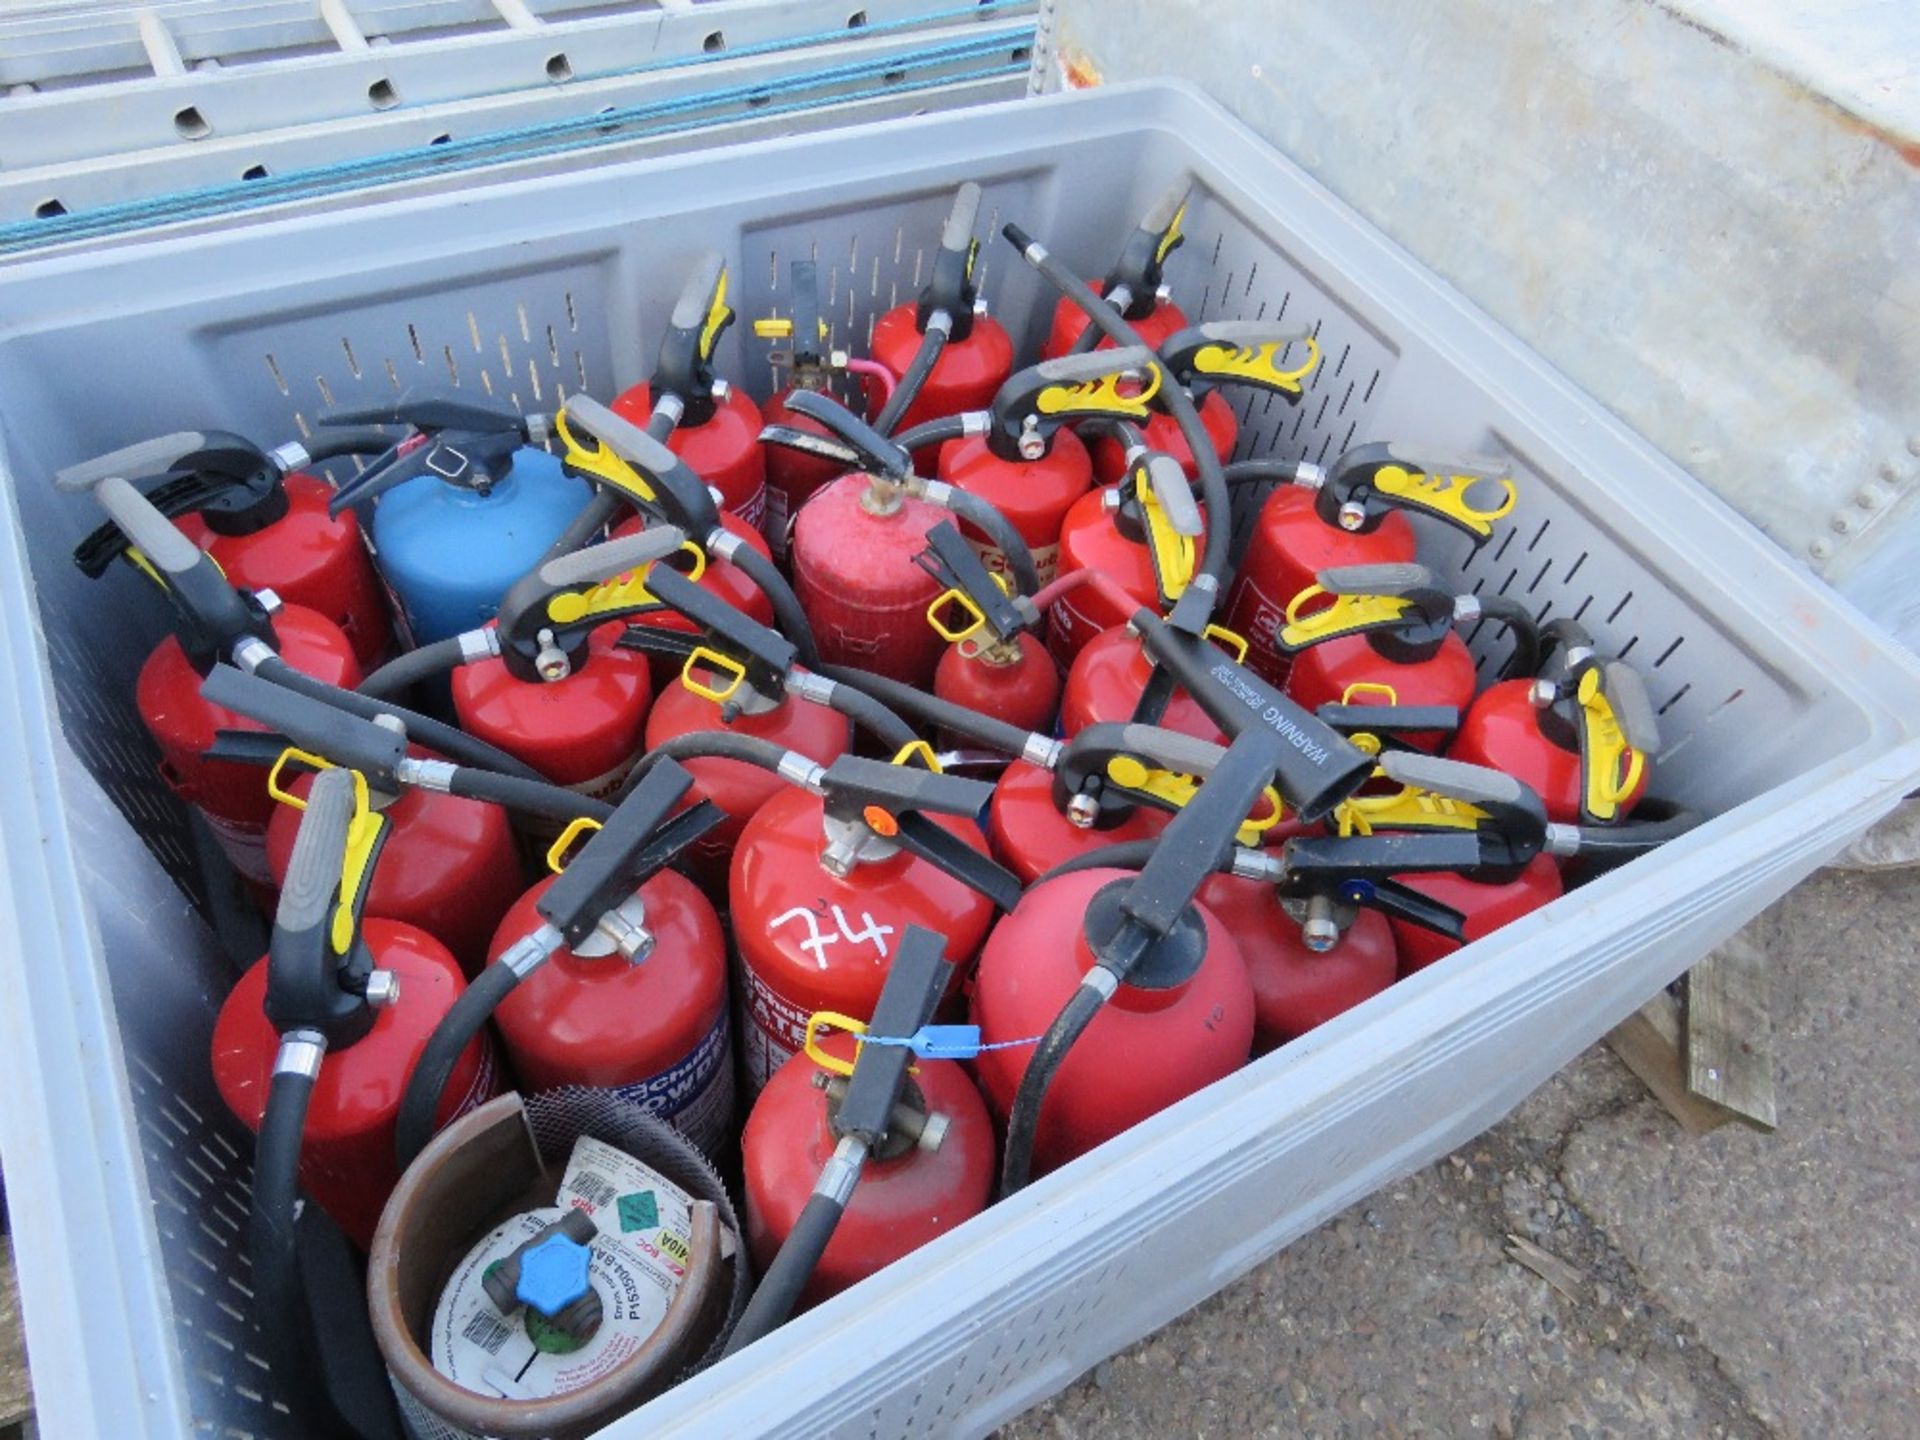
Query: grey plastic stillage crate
column 1787, row 715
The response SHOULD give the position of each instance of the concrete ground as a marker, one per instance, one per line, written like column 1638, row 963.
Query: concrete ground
column 1732, row 1284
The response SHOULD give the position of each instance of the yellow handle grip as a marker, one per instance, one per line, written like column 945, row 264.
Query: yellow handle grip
column 936, row 615
column 556, row 852
column 833, row 1020
column 1256, row 365
column 1614, row 768
column 1104, row 396
column 922, row 749
column 1446, row 496
column 1347, row 615
column 1409, row 808
column 623, row 592
column 714, row 660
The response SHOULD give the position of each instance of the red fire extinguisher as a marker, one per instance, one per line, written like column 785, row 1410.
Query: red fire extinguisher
column 889, row 1165
column 1019, row 457
column 1583, row 734
column 933, row 1171
column 827, row 877
column 264, row 520
column 616, row 1011
column 949, row 355
column 211, row 621
column 793, row 475
column 855, row 545
column 714, row 428
column 1148, row 1001
column 447, row 865
column 1200, row 359
column 993, row 661
column 1142, row 536
column 1135, row 287
column 362, row 995
column 1354, row 514
column 740, row 679
column 720, row 578
column 1389, row 629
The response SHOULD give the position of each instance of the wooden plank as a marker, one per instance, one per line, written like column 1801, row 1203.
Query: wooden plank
column 1729, row 1031
column 1648, row 1042
column 16, row 1391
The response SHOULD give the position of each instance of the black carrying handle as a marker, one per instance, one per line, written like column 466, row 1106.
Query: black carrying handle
column 526, row 608
column 700, row 317
column 1044, row 397
column 950, row 289
column 954, row 563
column 1141, row 266
column 916, row 981
column 767, row 654
column 305, row 970
column 313, row 725
column 1316, row 767
column 872, row 450
column 605, row 870
column 853, row 784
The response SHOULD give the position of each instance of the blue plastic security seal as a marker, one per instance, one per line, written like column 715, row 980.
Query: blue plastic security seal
column 553, row 1274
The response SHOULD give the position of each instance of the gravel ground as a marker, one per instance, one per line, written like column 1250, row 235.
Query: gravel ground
column 1722, row 1286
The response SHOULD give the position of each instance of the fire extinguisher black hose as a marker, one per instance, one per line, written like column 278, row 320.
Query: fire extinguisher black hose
column 908, row 390
column 394, row 677
column 331, row 444
column 1023, row 1122
column 983, row 516
column 799, row 1256
column 1615, row 844
column 709, row 745
column 420, row 1105
column 1126, row 855
column 931, row 432
column 455, row 744
column 528, row 797
column 1178, row 404
column 1519, row 624
column 871, row 715
column 276, row 1263
column 1254, row 472
column 789, row 617
column 933, row 710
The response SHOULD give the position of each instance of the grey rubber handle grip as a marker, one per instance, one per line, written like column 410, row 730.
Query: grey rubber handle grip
column 1627, row 693
column 696, row 296
column 611, row 557
column 1401, row 578
column 319, row 852
column 147, row 457
column 1160, row 214
column 957, row 234
column 157, row 537
column 1249, row 333
column 1489, row 467
column 1186, row 754
column 623, row 437
column 1095, row 365
column 1175, row 494
column 1474, row 784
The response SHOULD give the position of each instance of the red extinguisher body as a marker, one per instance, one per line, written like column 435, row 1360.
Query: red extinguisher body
column 1070, row 322
column 738, row 788
column 1502, row 731
column 1017, row 683
column 810, row 940
column 901, row 1202
column 232, row 797
column 1106, row 682
column 346, row 1153
column 1486, row 907
column 723, row 450
column 655, row 1033
column 447, row 867
column 1294, row 988
column 966, row 375
column 1163, row 433
column 720, row 578
column 1324, row 673
column 1144, row 1050
column 1090, row 540
column 583, row 732
column 1029, row 834
column 854, row 572
column 309, row 558
column 1287, row 548
column 1034, row 495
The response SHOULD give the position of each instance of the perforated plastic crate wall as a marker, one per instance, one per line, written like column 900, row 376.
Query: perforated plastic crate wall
column 1788, row 717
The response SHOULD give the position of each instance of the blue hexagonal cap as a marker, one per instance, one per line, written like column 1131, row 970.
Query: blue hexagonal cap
column 553, row 1274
